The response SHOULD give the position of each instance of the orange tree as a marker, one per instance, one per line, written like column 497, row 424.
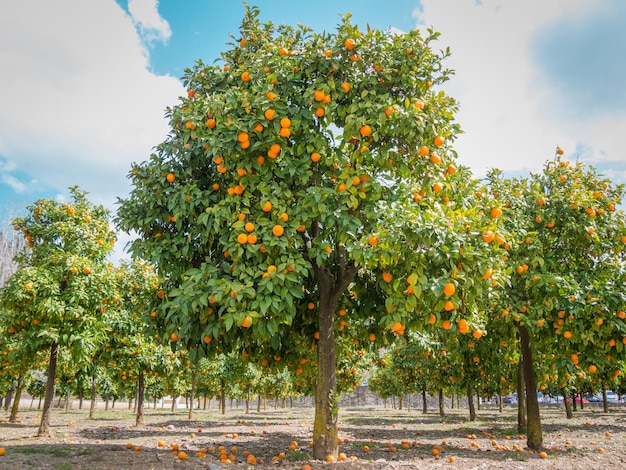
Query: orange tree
column 130, row 351
column 296, row 172
column 53, row 300
column 566, row 246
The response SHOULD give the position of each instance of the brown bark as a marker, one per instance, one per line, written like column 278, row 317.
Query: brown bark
column 141, row 389
column 223, row 396
column 92, row 406
column 44, row 425
column 192, row 392
column 441, row 404
column 16, row 401
column 521, row 401
column 424, row 404
column 331, row 288
column 470, row 402
column 568, row 405
column 534, row 432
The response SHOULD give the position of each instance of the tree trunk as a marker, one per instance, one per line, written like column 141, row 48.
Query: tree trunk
column 44, row 425
column 192, row 392
column 568, row 405
column 331, row 288
column 470, row 402
column 92, row 406
column 533, row 425
column 573, row 399
column 248, row 400
column 16, row 400
column 67, row 400
column 441, row 404
column 477, row 401
column 400, row 402
column 424, row 403
column 173, row 404
column 141, row 390
column 80, row 398
column 223, row 396
column 106, row 402
column 582, row 405
column 605, row 400
column 258, row 403
column 9, row 397
column 521, row 400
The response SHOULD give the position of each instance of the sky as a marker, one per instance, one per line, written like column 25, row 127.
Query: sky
column 84, row 84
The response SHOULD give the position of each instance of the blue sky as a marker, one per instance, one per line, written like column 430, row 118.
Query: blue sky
column 84, row 85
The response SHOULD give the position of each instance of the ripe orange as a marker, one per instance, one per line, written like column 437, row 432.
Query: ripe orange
column 245, row 76
column 496, row 212
column 463, row 326
column 438, row 141
column 171, row 177
column 252, row 238
column 448, row 306
column 267, row 206
column 372, row 337
column 437, row 187
column 372, row 240
column 247, row 322
column 315, row 157
column 365, row 130
column 174, row 337
column 318, row 95
column 285, row 122
column 182, row 455
column 283, row 51
column 449, row 289
column 269, row 114
column 387, row 277
column 242, row 238
column 319, row 112
column 345, row 86
column 446, row 325
column 278, row 230
column 543, row 455
column 349, row 43
column 488, row 236
column 477, row 334
column 593, row 369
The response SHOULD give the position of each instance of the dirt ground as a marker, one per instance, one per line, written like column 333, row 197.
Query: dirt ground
column 591, row 440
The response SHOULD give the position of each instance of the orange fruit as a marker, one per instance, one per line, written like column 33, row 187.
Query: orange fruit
column 269, row 114
column 438, row 141
column 285, row 122
column 318, row 95
column 278, row 230
column 437, row 187
column 245, row 76
column 345, row 86
column 319, row 112
column 387, row 277
column 463, row 326
column 448, row 306
column 242, row 238
column 349, row 43
column 372, row 240
column 543, row 455
column 593, row 369
column 315, row 157
column 488, row 236
column 247, row 322
column 477, row 334
column 182, row 455
column 365, row 130
column 267, row 206
column 446, row 325
column 449, row 289
column 171, row 177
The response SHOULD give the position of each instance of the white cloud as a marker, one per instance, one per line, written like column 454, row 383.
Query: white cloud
column 146, row 17
column 505, row 101
column 15, row 184
column 78, row 102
